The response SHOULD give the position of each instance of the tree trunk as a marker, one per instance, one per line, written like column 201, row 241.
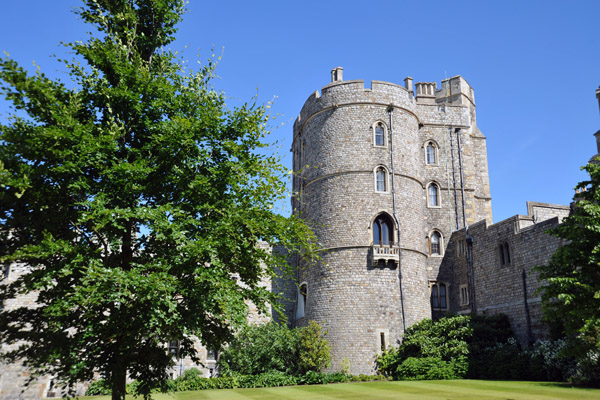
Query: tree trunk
column 119, row 379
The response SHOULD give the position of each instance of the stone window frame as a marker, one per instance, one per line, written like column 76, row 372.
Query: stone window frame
column 382, row 339
column 464, row 294
column 435, row 287
column 385, row 134
column 503, row 254
column 386, row 176
column 301, row 311
column 391, row 227
column 212, row 354
column 440, row 242
column 173, row 347
column 461, row 246
column 439, row 195
column 436, row 152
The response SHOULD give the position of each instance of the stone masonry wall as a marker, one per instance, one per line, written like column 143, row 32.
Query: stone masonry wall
column 511, row 288
column 335, row 160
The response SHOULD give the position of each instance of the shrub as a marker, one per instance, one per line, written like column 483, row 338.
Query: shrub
column 345, row 366
column 98, row 388
column 268, row 379
column 191, row 373
column 258, row 349
column 476, row 346
column 425, row 368
column 272, row 347
column 445, row 339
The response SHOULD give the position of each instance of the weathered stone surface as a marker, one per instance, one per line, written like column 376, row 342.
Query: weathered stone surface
column 335, row 159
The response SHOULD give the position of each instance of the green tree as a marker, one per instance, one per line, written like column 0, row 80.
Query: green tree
column 571, row 280
column 135, row 196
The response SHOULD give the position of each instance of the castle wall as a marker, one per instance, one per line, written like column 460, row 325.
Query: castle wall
column 362, row 304
column 509, row 284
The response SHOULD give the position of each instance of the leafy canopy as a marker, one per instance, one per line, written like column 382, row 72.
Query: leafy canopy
column 571, row 286
column 134, row 195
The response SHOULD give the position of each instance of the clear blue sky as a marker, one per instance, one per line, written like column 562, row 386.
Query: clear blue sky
column 534, row 66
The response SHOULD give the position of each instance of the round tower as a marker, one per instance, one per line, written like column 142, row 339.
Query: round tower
column 370, row 181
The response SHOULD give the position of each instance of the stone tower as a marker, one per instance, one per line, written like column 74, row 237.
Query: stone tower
column 384, row 175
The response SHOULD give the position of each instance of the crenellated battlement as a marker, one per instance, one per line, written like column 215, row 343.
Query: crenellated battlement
column 454, row 91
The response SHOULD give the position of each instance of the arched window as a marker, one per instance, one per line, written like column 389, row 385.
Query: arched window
column 430, row 153
column 435, row 243
column 383, row 230
column 301, row 302
column 438, row 296
column 379, row 134
column 433, row 195
column 381, row 179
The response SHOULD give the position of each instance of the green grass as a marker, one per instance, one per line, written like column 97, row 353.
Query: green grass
column 417, row 390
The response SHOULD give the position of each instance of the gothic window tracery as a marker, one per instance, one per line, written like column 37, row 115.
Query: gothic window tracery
column 383, row 230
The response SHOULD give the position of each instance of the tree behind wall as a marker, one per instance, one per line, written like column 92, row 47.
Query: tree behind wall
column 135, row 197
column 571, row 288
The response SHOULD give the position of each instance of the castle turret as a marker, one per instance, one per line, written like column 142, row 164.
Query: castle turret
column 383, row 175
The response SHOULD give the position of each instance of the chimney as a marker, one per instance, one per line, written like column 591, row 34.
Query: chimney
column 408, row 84
column 337, row 74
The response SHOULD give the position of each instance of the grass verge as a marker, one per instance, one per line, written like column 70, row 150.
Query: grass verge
column 417, row 390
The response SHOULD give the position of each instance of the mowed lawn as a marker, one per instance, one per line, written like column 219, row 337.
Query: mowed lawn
column 419, row 390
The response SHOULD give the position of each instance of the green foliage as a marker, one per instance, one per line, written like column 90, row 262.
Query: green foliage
column 444, row 340
column 314, row 352
column 257, row 349
column 454, row 347
column 571, row 282
column 426, row 368
column 98, row 388
column 553, row 358
column 134, row 194
column 194, row 381
column 271, row 347
column 345, row 366
column 191, row 373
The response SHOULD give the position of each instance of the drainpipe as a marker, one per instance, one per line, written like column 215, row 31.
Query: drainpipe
column 530, row 339
column 468, row 238
column 454, row 180
column 390, row 110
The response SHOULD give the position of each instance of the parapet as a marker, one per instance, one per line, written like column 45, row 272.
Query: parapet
column 454, row 91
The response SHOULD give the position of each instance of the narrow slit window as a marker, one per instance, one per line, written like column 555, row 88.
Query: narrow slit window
column 435, row 244
column 381, row 179
column 434, row 297
column 442, row 295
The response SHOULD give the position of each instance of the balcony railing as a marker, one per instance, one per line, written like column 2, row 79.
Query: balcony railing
column 384, row 253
